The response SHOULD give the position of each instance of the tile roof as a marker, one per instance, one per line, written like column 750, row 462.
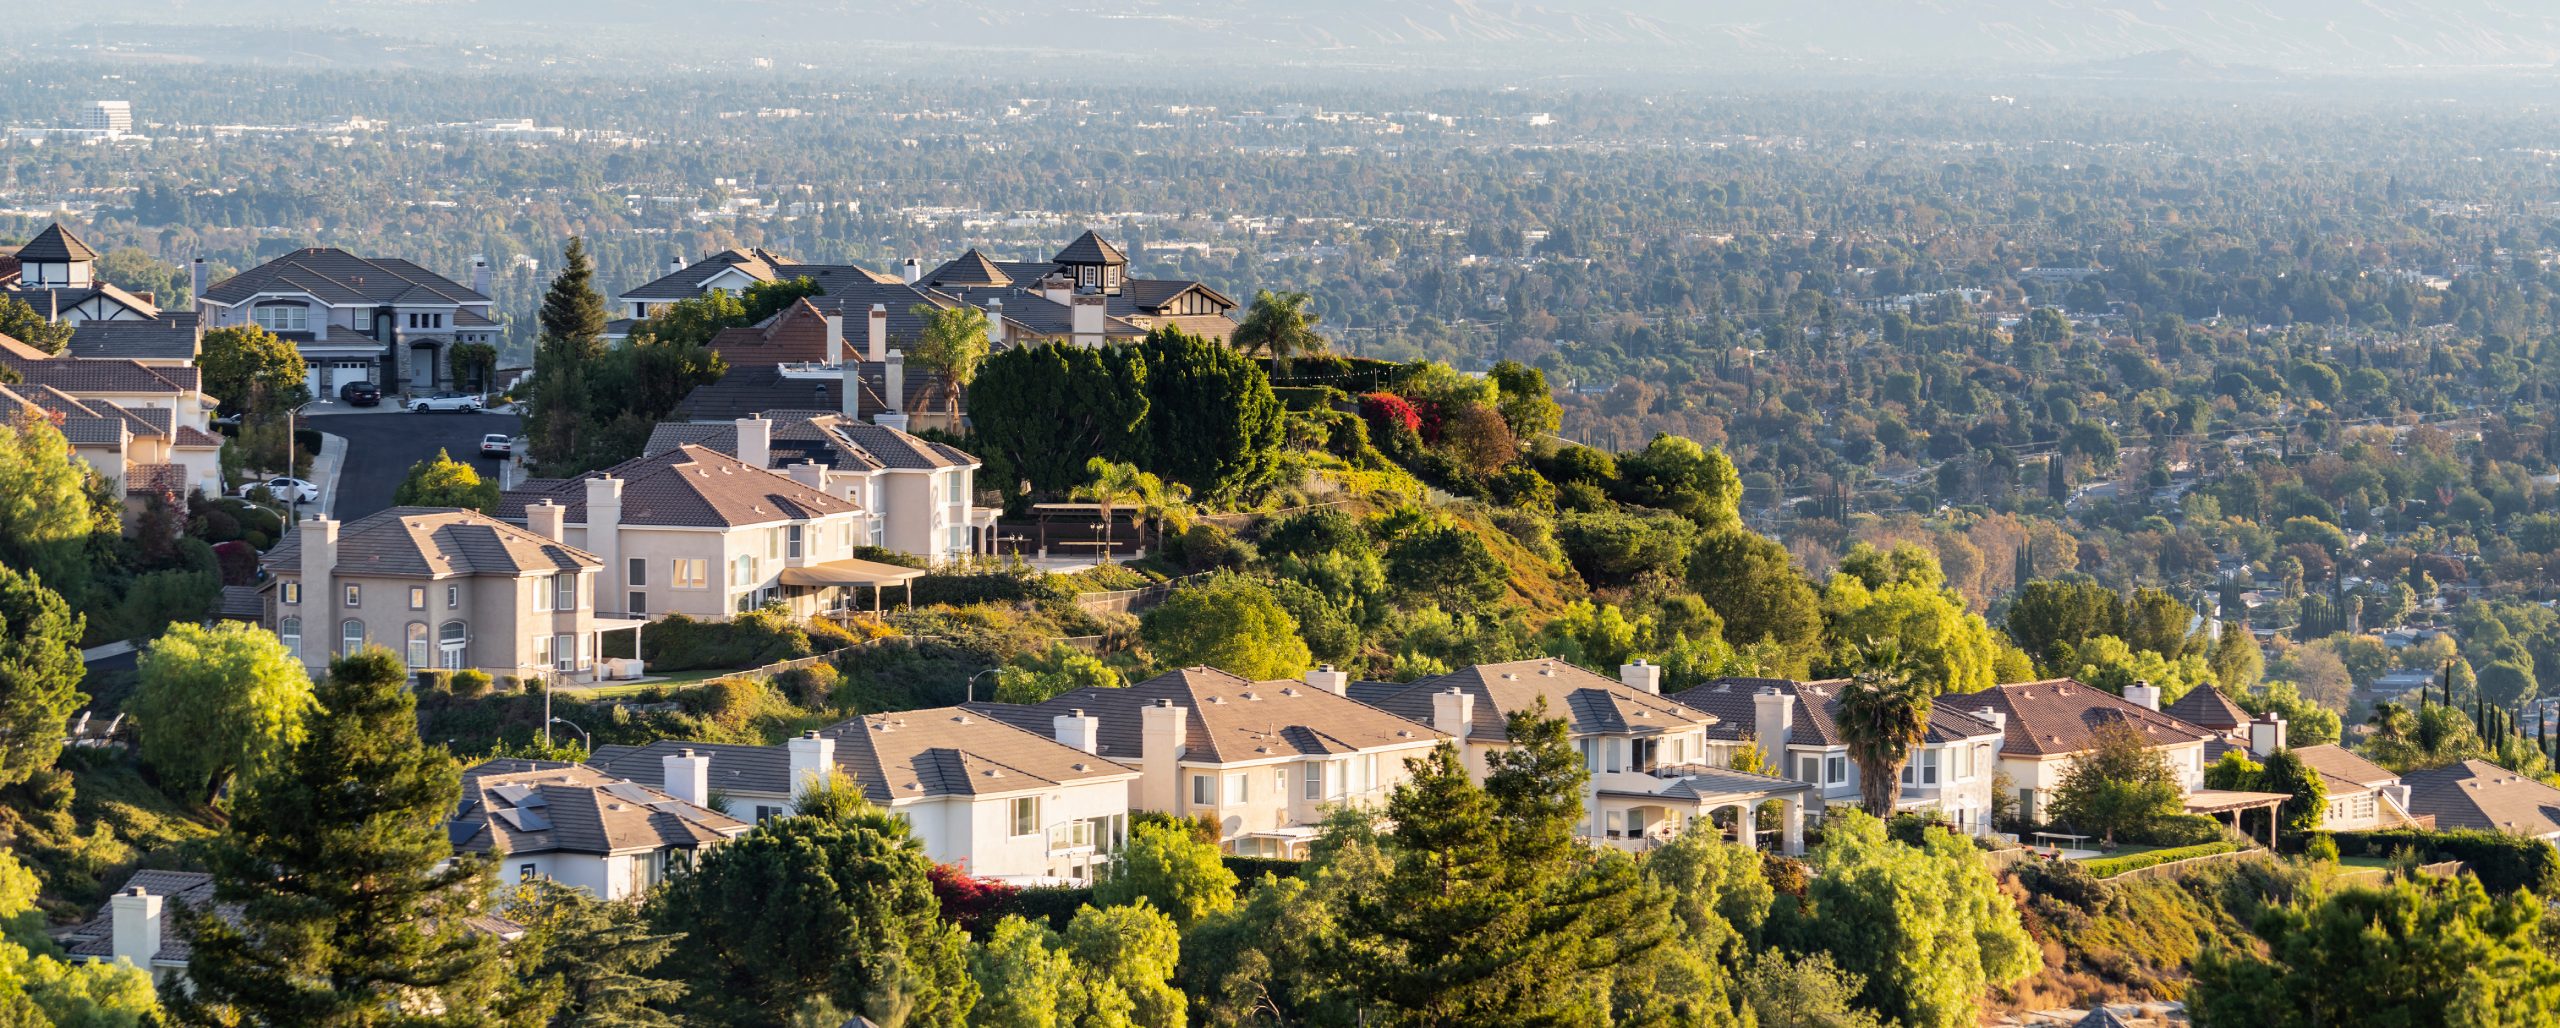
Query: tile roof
column 1090, row 248
column 104, row 375
column 2059, row 715
column 2341, row 765
column 96, row 937
column 952, row 751
column 689, row 487
column 156, row 479
column 543, row 806
column 434, row 542
column 337, row 277
column 2206, row 707
column 2479, row 794
column 171, row 336
column 1591, row 703
column 832, row 440
column 55, row 245
column 744, row 769
column 1151, row 294
column 1231, row 719
column 686, row 282
column 971, row 270
column 48, row 300
column 764, row 389
column 1816, row 711
column 10, row 346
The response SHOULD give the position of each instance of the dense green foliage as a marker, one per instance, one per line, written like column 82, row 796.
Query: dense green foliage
column 218, row 702
column 40, row 673
column 2424, row 951
column 446, row 482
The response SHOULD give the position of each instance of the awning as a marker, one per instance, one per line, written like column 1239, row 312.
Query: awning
column 850, row 572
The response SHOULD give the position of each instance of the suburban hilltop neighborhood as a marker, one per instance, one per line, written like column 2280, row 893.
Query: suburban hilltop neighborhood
column 1044, row 638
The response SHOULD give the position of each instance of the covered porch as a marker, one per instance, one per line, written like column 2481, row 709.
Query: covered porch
column 1721, row 799
column 834, row 581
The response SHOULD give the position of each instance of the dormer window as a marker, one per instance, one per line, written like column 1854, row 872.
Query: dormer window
column 283, row 317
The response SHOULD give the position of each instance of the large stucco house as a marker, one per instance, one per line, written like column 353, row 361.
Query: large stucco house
column 2046, row 725
column 1794, row 725
column 570, row 823
column 916, row 496
column 358, row 319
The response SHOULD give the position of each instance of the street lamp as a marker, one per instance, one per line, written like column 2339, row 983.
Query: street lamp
column 972, row 685
column 583, row 738
column 289, row 416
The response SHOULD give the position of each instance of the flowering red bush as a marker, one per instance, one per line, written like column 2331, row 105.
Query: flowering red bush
column 968, row 901
column 1390, row 409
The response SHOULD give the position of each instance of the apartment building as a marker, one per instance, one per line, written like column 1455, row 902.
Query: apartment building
column 358, row 319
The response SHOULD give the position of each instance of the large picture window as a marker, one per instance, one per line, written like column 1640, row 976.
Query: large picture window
column 283, row 317
column 420, row 654
column 350, row 636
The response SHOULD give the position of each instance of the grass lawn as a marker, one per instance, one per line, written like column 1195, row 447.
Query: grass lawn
column 2125, row 850
column 673, row 681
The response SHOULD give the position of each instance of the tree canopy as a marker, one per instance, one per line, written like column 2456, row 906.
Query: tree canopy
column 219, row 701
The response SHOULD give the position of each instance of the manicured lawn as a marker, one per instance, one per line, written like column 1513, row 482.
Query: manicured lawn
column 677, row 680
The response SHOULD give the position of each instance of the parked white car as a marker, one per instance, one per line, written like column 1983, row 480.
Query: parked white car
column 445, row 401
column 497, row 444
column 290, row 490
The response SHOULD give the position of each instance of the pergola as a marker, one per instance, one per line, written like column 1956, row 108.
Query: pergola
column 2216, row 802
column 849, row 572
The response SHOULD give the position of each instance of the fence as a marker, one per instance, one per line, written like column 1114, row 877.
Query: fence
column 2175, row 866
column 1132, row 601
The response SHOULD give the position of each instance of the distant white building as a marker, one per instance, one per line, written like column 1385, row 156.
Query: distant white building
column 114, row 117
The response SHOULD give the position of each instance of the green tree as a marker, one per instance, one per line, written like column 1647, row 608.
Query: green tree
column 216, row 702
column 251, row 371
column 2120, row 784
column 1446, row 565
column 1024, row 980
column 1166, row 866
column 1753, row 585
column 1883, row 715
column 1949, row 648
column 572, row 320
column 446, row 482
column 1230, row 622
column 1925, row 926
column 572, row 310
column 2157, row 621
column 40, row 672
column 599, row 959
column 352, row 901
column 1279, row 326
column 1677, row 474
column 1124, row 959
column 833, row 904
column 2419, row 951
column 1808, row 991
column 474, row 365
column 1064, row 669
column 30, row 326
column 1042, row 413
column 47, row 517
column 1526, row 405
column 952, row 344
column 39, row 985
column 2237, row 664
column 1113, row 486
column 2050, row 619
column 1212, row 422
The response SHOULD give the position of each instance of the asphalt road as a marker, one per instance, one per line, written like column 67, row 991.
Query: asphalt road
column 382, row 445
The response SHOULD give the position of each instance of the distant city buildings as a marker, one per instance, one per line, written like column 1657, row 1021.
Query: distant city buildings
column 114, row 117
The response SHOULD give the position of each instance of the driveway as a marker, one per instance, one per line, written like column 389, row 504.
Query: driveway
column 382, row 445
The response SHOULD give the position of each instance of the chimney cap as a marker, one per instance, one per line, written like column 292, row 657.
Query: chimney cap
column 685, row 752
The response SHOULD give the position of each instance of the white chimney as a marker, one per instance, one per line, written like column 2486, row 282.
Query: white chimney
column 319, row 602
column 2143, row 694
column 1453, row 712
column 480, row 275
column 1087, row 310
column 879, row 348
column 546, row 519
column 2266, row 734
column 851, row 372
column 893, row 392
column 835, row 339
column 995, row 323
column 1163, row 729
column 813, row 756
column 688, row 776
column 755, row 441
column 604, row 537
column 810, row 473
column 195, row 281
column 1642, row 675
column 1773, row 722
column 1078, row 729
column 137, row 926
column 911, row 271
column 1999, row 721
column 1056, row 289
column 1326, row 678
column 675, row 264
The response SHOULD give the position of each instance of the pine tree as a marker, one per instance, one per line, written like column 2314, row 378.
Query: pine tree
column 572, row 311
column 354, row 909
column 600, row 954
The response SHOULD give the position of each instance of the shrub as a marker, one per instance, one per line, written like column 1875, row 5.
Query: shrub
column 826, row 636
column 1206, row 547
column 470, row 684
column 975, row 904
column 2179, row 830
column 2503, row 863
column 1391, row 412
column 808, row 686
column 752, row 639
column 2321, row 848
column 1249, row 870
column 433, row 680
column 509, row 683
column 2109, row 867
column 1051, row 905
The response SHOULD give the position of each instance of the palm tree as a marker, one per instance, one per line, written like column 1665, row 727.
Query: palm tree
column 1117, row 484
column 1883, row 715
column 1279, row 326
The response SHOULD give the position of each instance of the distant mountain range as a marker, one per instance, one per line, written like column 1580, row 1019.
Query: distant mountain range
column 2352, row 36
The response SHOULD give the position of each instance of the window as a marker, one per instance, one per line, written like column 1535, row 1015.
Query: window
column 564, row 591
column 1315, row 781
column 1237, row 788
column 1615, row 753
column 1839, row 769
column 290, row 630
column 766, row 813
column 291, row 592
column 564, row 652
column 689, row 573
column 542, row 650
column 453, row 639
column 528, row 872
column 791, row 542
column 639, row 573
column 1641, row 753
column 1809, row 769
column 355, row 596
column 1200, row 790
column 639, row 602
column 773, row 543
column 1617, row 822
column 350, row 636
column 283, row 317
column 586, row 650
column 417, row 597
column 416, row 638
column 1280, row 783
column 1026, row 815
column 453, row 597
column 424, row 320
column 541, row 596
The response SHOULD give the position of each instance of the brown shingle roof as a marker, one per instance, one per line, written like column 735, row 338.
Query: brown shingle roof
column 2479, row 794
column 689, row 486
column 1231, row 720
column 952, row 751
column 434, row 542
column 2059, row 716
column 103, row 375
column 55, row 245
column 829, row 439
column 531, row 806
column 335, row 276
column 1591, row 703
column 2206, row 707
column 2338, row 763
column 1816, row 712
column 96, row 937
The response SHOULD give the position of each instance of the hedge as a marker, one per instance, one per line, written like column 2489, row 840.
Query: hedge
column 2503, row 863
column 2109, row 867
column 1249, row 870
column 1055, row 905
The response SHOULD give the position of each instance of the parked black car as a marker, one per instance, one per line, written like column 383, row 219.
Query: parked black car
column 360, row 394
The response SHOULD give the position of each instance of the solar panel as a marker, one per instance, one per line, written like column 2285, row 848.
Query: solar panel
column 524, row 820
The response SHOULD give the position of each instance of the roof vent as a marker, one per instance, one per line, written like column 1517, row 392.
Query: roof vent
column 1510, row 677
column 1078, row 767
column 1288, row 691
column 1547, row 671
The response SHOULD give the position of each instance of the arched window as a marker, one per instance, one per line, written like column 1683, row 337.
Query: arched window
column 350, row 636
column 290, row 630
column 453, row 640
column 419, row 653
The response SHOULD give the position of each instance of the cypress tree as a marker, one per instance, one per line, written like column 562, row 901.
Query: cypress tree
column 354, row 909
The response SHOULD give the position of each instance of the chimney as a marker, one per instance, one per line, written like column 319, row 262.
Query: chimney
column 195, row 281
column 911, row 271
column 1078, row 729
column 1056, row 289
column 879, row 349
column 893, row 392
column 675, row 264
column 137, row 926
column 319, row 597
column 1642, row 675
column 604, row 536
column 851, row 405
column 1773, row 717
column 755, row 441
column 1454, row 712
column 2266, row 734
column 810, row 473
column 812, row 757
column 546, row 519
column 1999, row 721
column 1330, row 680
column 1087, row 310
column 2143, row 694
column 688, row 776
column 995, row 323
column 1162, row 731
column 480, row 275
column 835, row 339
